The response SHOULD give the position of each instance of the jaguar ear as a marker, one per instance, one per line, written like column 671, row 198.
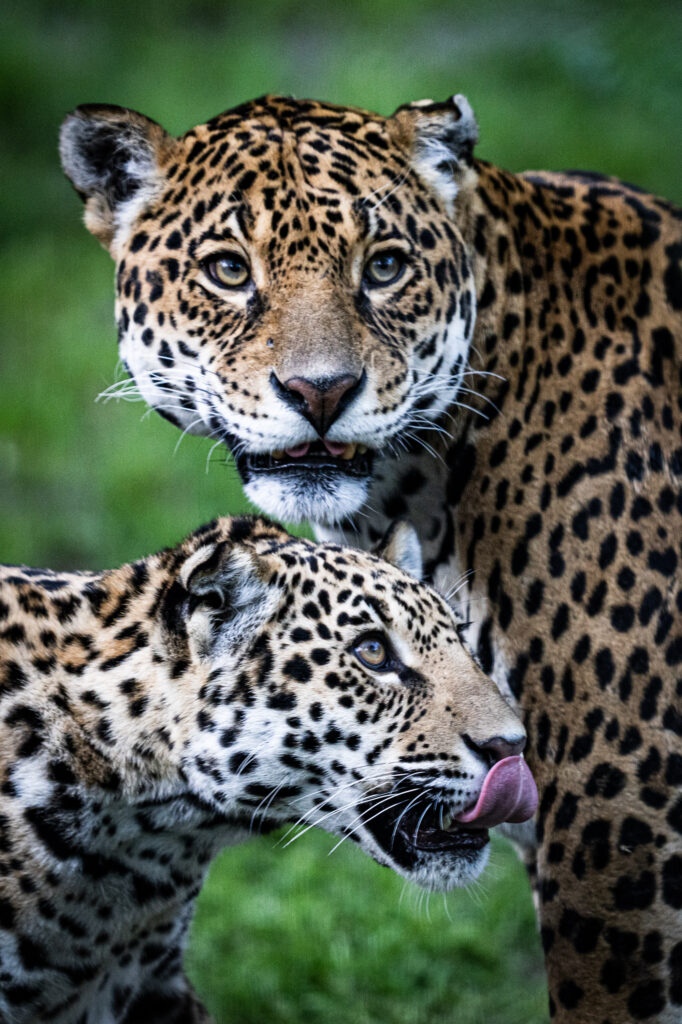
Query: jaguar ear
column 229, row 597
column 113, row 156
column 441, row 137
column 400, row 546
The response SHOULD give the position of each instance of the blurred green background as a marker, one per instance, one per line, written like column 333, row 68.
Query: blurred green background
column 284, row 935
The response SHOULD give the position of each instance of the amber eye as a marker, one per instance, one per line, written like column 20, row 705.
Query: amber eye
column 228, row 270
column 384, row 268
column 372, row 652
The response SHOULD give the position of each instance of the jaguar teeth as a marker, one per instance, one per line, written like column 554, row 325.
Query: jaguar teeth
column 446, row 820
column 349, row 452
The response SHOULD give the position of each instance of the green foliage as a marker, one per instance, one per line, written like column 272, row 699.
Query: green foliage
column 284, row 935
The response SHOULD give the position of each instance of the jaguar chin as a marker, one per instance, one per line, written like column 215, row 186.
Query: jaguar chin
column 321, row 481
column 435, row 854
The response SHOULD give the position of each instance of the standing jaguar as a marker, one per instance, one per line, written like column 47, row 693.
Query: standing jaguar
column 378, row 324
column 155, row 713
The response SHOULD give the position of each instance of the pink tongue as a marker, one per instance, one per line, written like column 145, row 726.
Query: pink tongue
column 509, row 793
column 299, row 452
column 334, row 447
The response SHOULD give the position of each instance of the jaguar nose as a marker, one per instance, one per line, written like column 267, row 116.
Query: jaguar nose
column 320, row 401
column 496, row 748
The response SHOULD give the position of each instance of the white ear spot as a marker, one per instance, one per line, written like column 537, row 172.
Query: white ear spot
column 467, row 120
column 402, row 549
column 436, row 165
column 444, row 138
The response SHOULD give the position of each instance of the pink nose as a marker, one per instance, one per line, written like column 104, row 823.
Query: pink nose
column 321, row 401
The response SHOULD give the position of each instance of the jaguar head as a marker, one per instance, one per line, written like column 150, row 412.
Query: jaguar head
column 325, row 686
column 291, row 280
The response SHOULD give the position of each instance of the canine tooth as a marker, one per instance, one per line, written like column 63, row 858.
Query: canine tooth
column 278, row 453
column 446, row 821
column 349, row 451
column 362, row 448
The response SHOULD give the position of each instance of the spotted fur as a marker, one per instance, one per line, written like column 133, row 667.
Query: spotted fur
column 153, row 714
column 518, row 389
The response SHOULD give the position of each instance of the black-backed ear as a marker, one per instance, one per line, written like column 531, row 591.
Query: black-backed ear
column 228, row 597
column 441, row 137
column 400, row 546
column 113, row 156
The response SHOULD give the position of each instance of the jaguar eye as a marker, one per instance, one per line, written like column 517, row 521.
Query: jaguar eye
column 373, row 653
column 384, row 268
column 228, row 270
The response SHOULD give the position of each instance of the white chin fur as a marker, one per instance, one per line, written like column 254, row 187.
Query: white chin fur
column 296, row 500
column 439, row 875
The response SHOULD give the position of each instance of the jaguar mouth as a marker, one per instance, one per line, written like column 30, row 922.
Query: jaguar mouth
column 348, row 458
column 410, row 836
column 413, row 829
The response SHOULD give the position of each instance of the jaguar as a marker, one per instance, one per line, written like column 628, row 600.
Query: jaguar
column 378, row 324
column 153, row 714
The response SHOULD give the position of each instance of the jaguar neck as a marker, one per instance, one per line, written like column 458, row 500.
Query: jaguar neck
column 111, row 706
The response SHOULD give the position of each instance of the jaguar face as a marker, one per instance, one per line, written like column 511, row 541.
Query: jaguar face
column 290, row 281
column 334, row 691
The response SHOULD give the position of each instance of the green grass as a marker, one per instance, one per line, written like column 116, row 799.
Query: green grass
column 284, row 935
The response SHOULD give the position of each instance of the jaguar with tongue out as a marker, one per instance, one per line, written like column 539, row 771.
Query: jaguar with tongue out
column 508, row 794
